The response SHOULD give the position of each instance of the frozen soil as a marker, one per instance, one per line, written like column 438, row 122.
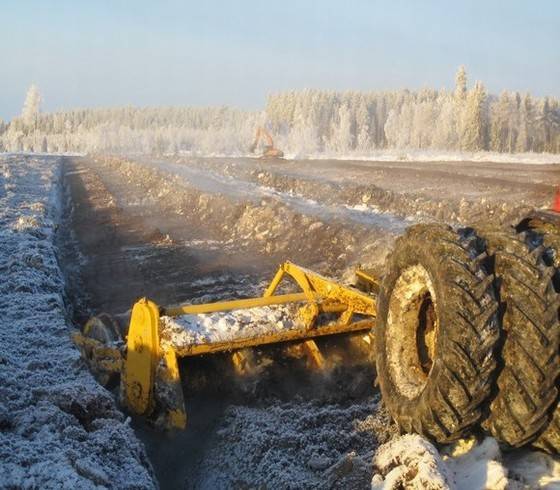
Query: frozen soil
column 295, row 445
column 208, row 229
column 461, row 192
column 58, row 427
column 130, row 226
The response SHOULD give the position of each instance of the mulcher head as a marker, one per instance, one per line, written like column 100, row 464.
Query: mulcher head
column 148, row 363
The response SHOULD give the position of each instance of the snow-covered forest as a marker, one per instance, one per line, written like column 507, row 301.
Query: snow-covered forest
column 307, row 122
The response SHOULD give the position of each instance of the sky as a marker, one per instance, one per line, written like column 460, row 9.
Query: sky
column 210, row 52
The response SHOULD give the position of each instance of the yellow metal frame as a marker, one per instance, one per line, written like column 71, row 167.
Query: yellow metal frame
column 142, row 356
column 150, row 380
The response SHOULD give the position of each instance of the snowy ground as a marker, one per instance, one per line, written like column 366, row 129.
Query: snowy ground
column 210, row 229
column 441, row 156
column 393, row 155
column 58, row 427
column 389, row 194
column 410, row 461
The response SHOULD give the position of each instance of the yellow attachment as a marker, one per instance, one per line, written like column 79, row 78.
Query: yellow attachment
column 190, row 350
column 319, row 295
column 240, row 363
column 150, row 373
column 104, row 360
column 315, row 285
column 314, row 354
column 142, row 357
column 170, row 392
column 366, row 280
column 238, row 304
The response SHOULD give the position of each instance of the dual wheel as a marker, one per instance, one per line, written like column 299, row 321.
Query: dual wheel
column 468, row 335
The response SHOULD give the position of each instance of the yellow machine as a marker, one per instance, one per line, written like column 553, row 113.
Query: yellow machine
column 270, row 151
column 148, row 368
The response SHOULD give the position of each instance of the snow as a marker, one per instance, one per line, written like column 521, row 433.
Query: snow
column 410, row 461
column 38, row 154
column 227, row 326
column 394, row 155
column 58, row 427
column 477, row 465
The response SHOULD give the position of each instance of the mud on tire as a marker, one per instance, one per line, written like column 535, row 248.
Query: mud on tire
column 549, row 439
column 529, row 311
column 437, row 329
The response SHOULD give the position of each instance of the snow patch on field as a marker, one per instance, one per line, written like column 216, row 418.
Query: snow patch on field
column 410, row 461
column 436, row 156
column 58, row 427
column 50, row 154
column 394, row 155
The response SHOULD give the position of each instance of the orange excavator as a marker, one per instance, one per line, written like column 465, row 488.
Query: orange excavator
column 269, row 149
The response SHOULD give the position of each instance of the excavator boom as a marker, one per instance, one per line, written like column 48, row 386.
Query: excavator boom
column 269, row 150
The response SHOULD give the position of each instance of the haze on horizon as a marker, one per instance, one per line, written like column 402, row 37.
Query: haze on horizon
column 216, row 52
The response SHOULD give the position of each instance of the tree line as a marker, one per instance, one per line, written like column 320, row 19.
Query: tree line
column 462, row 119
column 305, row 122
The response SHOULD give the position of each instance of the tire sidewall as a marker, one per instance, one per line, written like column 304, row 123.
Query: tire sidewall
column 408, row 254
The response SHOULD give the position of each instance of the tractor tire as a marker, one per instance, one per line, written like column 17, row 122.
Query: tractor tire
column 549, row 439
column 437, row 332
column 550, row 233
column 552, row 241
column 529, row 304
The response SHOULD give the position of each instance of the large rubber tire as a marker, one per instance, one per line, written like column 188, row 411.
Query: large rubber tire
column 549, row 439
column 529, row 311
column 437, row 331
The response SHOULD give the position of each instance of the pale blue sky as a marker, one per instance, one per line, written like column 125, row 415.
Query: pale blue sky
column 148, row 52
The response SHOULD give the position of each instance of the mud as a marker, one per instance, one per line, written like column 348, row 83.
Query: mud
column 462, row 192
column 123, row 239
column 197, row 230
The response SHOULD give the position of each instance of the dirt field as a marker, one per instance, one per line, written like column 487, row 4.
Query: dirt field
column 196, row 230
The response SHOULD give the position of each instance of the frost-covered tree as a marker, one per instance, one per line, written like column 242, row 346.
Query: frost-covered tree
column 445, row 125
column 341, row 133
column 461, row 84
column 363, row 139
column 500, row 123
column 31, row 107
column 460, row 101
column 549, row 125
column 474, row 133
column 303, row 122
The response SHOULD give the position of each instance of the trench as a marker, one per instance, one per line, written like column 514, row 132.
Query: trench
column 113, row 252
